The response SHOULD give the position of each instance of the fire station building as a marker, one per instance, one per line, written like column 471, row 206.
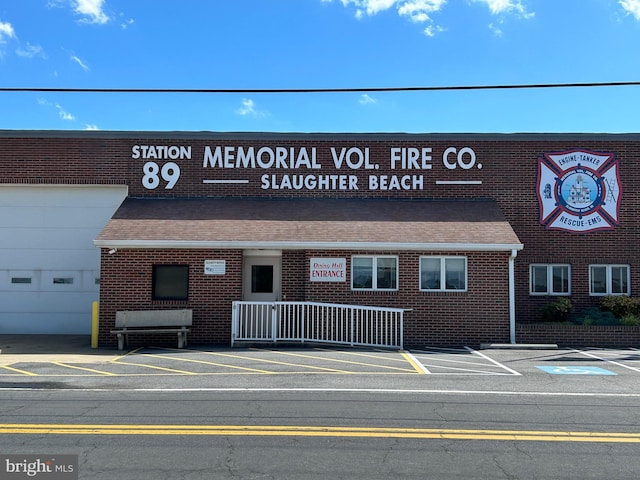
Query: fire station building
column 469, row 234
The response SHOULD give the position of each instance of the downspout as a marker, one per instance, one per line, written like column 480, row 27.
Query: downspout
column 512, row 296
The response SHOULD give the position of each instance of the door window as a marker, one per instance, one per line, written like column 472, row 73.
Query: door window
column 261, row 278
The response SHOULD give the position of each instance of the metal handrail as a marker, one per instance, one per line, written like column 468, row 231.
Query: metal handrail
column 333, row 323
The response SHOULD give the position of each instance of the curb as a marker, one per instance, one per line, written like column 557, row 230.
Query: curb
column 519, row 346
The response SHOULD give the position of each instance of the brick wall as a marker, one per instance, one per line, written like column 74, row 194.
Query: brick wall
column 508, row 174
column 126, row 284
column 477, row 316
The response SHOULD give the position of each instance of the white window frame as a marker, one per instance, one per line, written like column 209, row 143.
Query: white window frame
column 374, row 269
column 443, row 273
column 609, row 280
column 549, row 275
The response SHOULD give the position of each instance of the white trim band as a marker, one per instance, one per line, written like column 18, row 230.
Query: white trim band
column 288, row 245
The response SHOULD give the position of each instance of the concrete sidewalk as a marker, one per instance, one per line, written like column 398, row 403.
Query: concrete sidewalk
column 52, row 348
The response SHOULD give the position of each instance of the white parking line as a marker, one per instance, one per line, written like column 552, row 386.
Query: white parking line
column 606, row 360
column 463, row 365
column 408, row 391
column 512, row 371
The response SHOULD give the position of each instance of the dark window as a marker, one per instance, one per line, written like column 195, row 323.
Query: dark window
column 261, row 278
column 170, row 282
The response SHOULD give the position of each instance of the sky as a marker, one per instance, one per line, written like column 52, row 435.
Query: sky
column 320, row 44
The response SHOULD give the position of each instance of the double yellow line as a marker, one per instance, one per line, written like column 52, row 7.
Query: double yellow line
column 318, row 431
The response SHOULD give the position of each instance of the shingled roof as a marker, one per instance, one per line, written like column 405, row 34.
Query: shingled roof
column 309, row 224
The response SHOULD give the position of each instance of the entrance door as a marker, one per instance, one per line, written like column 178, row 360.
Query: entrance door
column 261, row 283
column 262, row 278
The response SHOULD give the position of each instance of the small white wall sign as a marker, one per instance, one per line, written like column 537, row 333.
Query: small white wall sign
column 214, row 267
column 327, row 269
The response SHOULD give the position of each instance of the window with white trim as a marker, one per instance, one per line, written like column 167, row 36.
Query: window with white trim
column 609, row 280
column 374, row 272
column 549, row 279
column 443, row 274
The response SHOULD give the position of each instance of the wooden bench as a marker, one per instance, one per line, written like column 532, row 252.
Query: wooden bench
column 153, row 321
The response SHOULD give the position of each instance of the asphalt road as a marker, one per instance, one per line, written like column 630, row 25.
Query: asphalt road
column 486, row 415
column 308, row 435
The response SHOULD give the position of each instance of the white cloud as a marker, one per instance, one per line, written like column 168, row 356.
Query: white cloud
column 91, row 10
column 6, row 31
column 433, row 30
column 126, row 23
column 501, row 7
column 422, row 11
column 83, row 65
column 30, row 51
column 366, row 99
column 90, row 126
column 416, row 10
column 419, row 11
column 248, row 108
column 64, row 115
column 496, row 28
column 632, row 7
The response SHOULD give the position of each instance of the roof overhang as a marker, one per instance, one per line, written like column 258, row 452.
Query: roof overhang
column 309, row 224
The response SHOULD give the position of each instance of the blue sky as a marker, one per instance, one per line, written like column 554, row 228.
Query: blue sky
column 289, row 44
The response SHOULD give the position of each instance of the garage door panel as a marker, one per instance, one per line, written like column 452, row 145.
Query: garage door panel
column 35, row 259
column 38, row 281
column 46, row 234
column 25, row 302
column 60, row 196
column 35, row 238
column 53, row 323
column 54, row 217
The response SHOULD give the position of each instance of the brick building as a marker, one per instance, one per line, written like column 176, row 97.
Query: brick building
column 469, row 233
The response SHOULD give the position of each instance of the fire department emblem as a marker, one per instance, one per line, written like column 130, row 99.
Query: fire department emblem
column 579, row 191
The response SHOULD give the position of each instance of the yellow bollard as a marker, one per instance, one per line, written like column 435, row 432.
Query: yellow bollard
column 94, row 325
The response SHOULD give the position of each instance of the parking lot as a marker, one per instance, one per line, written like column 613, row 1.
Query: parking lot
column 316, row 360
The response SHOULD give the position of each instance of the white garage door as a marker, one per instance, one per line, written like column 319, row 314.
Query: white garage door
column 49, row 267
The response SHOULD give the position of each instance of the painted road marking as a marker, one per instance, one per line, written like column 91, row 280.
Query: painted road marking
column 276, row 362
column 375, row 354
column 587, row 354
column 433, row 361
column 215, row 364
column 320, row 431
column 419, row 367
column 336, row 360
column 141, row 365
column 510, row 370
column 21, row 372
column 576, row 370
column 397, row 391
column 90, row 370
column 459, row 361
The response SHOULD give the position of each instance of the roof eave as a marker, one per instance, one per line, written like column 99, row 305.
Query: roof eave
column 290, row 245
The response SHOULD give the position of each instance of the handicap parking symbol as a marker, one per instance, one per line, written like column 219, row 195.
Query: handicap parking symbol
column 576, row 370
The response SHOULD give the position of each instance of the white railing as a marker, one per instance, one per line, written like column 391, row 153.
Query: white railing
column 317, row 322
